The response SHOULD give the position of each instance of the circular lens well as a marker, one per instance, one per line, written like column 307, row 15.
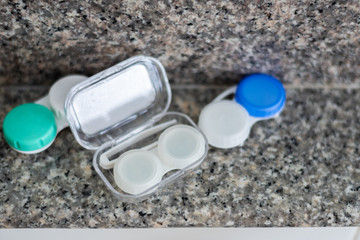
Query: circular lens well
column 137, row 170
column 181, row 145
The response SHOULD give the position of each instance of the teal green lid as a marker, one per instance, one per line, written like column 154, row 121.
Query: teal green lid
column 29, row 127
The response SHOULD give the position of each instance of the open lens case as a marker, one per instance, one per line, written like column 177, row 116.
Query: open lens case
column 121, row 113
column 227, row 123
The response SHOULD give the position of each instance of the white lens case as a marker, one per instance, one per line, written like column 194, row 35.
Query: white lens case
column 32, row 127
column 227, row 123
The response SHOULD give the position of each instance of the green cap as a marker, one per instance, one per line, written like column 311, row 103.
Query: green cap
column 29, row 127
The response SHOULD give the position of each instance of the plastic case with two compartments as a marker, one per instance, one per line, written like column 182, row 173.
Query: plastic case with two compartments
column 121, row 112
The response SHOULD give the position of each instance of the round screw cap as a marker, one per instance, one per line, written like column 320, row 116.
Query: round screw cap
column 59, row 91
column 225, row 124
column 29, row 127
column 261, row 95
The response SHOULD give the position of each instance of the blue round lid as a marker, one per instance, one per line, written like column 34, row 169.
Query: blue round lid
column 261, row 95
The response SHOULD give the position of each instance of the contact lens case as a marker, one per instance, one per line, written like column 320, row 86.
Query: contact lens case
column 227, row 123
column 32, row 127
column 121, row 113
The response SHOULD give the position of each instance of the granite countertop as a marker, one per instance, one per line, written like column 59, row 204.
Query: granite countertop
column 301, row 169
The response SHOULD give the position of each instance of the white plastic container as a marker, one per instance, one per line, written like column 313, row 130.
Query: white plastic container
column 227, row 123
column 31, row 128
column 121, row 113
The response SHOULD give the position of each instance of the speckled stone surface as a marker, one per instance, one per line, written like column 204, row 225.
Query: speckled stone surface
column 212, row 42
column 301, row 169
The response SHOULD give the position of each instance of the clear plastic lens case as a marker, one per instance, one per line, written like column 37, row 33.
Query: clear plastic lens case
column 118, row 101
column 122, row 114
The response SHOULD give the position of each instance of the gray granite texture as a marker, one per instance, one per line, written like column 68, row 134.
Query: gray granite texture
column 210, row 42
column 301, row 169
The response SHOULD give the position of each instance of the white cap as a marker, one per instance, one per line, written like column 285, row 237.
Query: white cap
column 59, row 91
column 226, row 124
column 180, row 145
column 137, row 170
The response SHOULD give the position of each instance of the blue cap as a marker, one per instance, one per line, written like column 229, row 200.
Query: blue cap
column 261, row 95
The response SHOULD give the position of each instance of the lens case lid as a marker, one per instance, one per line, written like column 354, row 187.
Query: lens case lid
column 118, row 102
column 225, row 123
column 59, row 91
column 262, row 95
column 30, row 128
